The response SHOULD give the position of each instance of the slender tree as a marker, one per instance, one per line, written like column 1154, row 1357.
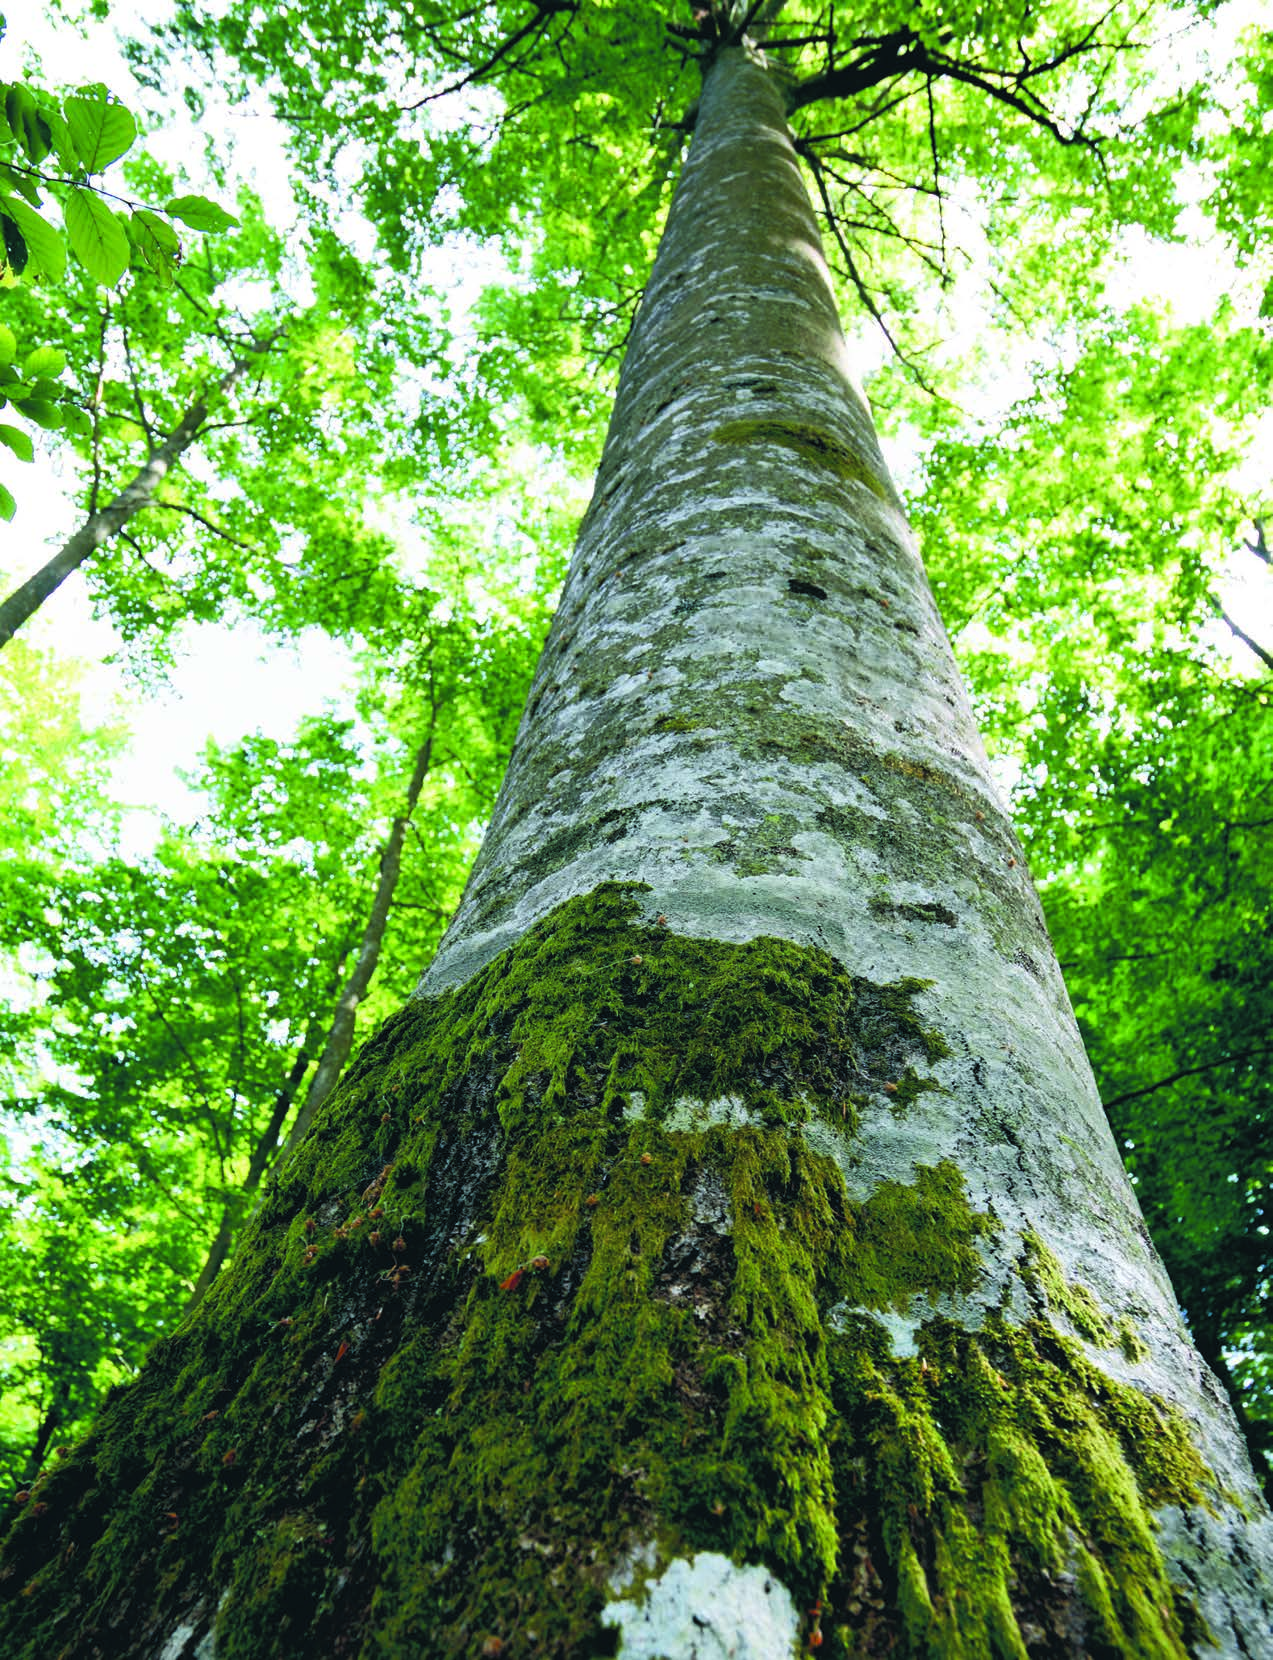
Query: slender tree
column 338, row 1039
column 726, row 1253
column 108, row 519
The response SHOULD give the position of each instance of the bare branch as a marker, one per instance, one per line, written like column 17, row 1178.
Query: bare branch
column 545, row 11
column 1240, row 633
column 95, row 489
column 208, row 524
column 932, row 145
column 1186, row 1072
column 143, row 418
column 864, row 293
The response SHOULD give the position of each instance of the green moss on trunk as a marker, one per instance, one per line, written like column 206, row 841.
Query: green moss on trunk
column 557, row 1280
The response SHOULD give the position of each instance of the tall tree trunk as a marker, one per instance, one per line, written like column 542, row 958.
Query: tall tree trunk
column 105, row 523
column 727, row 1253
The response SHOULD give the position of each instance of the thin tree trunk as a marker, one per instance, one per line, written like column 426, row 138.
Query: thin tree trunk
column 340, row 1033
column 232, row 1215
column 44, row 1436
column 340, row 1036
column 726, row 1253
column 106, row 522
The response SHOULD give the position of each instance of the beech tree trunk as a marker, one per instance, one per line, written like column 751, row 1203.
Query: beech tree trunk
column 726, row 1254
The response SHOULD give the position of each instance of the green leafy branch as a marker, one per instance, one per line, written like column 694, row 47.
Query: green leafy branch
column 87, row 132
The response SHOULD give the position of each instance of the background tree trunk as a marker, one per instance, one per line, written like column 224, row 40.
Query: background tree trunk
column 728, row 1252
column 339, row 1038
column 106, row 522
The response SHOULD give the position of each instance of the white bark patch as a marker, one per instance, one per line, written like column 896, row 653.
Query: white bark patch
column 901, row 1329
column 175, row 1647
column 706, row 1608
column 686, row 1113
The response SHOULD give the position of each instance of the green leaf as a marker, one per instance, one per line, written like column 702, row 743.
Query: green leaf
column 77, row 421
column 159, row 229
column 8, row 344
column 63, row 143
column 44, row 360
column 19, row 442
column 8, row 507
column 46, row 252
column 10, row 180
column 200, row 214
column 44, row 414
column 156, row 242
column 97, row 237
column 15, row 248
column 100, row 129
column 26, row 123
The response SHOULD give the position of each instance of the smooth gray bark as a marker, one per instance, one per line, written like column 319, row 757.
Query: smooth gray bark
column 748, row 702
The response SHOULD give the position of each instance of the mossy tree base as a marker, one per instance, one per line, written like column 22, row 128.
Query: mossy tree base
column 557, row 1293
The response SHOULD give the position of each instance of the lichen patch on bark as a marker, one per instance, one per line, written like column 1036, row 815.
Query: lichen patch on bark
column 710, row 1607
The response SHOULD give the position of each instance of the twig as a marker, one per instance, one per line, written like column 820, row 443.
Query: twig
column 1185, row 1072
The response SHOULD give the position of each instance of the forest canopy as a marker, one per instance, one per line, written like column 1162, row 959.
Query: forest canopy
column 310, row 318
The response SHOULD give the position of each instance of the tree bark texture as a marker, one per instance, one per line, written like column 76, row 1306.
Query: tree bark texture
column 726, row 1253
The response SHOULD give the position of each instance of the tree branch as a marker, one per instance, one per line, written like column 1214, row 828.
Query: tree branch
column 1185, row 1072
column 863, row 292
column 1240, row 633
column 208, row 524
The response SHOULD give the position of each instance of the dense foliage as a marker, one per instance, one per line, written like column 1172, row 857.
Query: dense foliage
column 384, row 454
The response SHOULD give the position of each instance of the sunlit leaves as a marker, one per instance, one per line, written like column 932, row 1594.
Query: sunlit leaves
column 43, row 361
column 97, row 237
column 200, row 214
column 101, row 129
column 42, row 249
column 157, row 244
column 85, row 133
column 27, row 124
column 19, row 442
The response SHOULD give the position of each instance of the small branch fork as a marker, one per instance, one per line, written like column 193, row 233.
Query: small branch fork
column 1260, row 548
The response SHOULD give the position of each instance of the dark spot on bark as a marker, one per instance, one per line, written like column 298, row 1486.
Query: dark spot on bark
column 1024, row 960
column 810, row 590
column 614, row 824
column 924, row 912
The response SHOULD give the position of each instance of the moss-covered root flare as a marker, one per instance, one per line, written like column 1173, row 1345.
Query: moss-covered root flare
column 559, row 1337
